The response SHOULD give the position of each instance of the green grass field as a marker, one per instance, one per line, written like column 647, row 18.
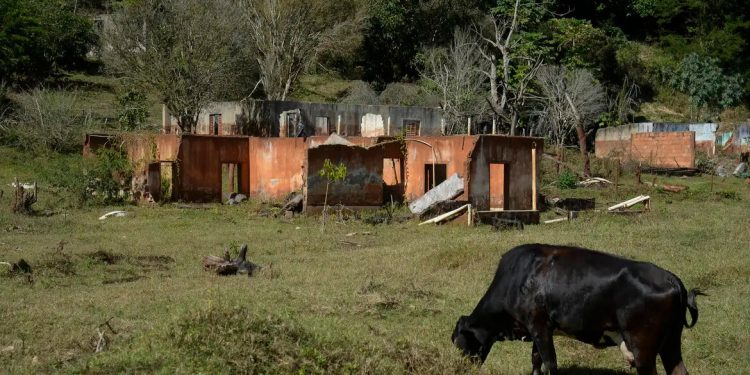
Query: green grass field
column 384, row 300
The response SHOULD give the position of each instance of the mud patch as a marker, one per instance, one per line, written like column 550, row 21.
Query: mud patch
column 105, row 257
column 152, row 262
column 122, row 280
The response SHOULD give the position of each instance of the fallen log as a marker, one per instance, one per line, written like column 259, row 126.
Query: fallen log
column 669, row 188
column 225, row 266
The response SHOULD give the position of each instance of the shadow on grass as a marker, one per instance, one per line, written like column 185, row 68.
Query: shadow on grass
column 577, row 370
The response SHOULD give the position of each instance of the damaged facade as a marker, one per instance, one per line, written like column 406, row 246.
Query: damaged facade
column 301, row 119
column 668, row 145
column 662, row 145
column 499, row 172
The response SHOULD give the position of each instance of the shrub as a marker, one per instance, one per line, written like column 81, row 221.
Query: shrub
column 132, row 110
column 705, row 163
column 99, row 180
column 567, row 180
column 47, row 121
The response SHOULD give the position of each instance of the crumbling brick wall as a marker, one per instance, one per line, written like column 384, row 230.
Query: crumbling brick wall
column 667, row 150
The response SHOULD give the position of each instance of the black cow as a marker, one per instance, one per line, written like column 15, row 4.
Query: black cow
column 596, row 298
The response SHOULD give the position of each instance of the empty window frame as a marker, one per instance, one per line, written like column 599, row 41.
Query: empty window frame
column 411, row 128
column 214, row 124
column 440, row 174
column 322, row 126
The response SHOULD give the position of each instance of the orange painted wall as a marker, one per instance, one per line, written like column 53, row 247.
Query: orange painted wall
column 167, row 146
column 363, row 185
column 667, row 150
column 199, row 166
column 453, row 151
column 276, row 166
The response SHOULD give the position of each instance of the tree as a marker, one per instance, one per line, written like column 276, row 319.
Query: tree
column 181, row 49
column 41, row 38
column 453, row 74
column 510, row 62
column 395, row 29
column 569, row 99
column 287, row 36
column 332, row 173
column 708, row 87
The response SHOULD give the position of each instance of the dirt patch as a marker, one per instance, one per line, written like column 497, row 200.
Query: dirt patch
column 122, row 280
column 152, row 262
column 59, row 263
column 105, row 257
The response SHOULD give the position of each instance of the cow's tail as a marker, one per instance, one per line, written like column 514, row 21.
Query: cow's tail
column 692, row 307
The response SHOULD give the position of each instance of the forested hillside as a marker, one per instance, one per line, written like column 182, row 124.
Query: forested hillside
column 529, row 66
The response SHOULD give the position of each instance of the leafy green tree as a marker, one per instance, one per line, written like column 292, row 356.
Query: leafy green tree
column 397, row 29
column 40, row 38
column 332, row 173
column 181, row 49
column 708, row 87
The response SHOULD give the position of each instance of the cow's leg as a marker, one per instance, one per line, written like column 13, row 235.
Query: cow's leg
column 671, row 353
column 644, row 346
column 541, row 334
column 536, row 361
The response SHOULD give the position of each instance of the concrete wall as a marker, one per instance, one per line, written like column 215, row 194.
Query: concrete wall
column 261, row 118
column 667, row 150
column 515, row 153
column 737, row 140
column 452, row 151
column 276, row 166
column 615, row 141
column 200, row 161
column 363, row 185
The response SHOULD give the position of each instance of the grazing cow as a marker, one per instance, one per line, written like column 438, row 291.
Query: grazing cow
column 600, row 299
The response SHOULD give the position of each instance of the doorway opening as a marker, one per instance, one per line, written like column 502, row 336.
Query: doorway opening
column 230, row 180
column 497, row 186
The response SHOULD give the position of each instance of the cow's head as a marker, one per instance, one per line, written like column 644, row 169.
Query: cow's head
column 475, row 342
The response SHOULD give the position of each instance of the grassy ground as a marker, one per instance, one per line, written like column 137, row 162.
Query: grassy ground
column 384, row 300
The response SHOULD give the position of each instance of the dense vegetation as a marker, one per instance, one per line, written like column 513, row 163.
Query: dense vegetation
column 646, row 59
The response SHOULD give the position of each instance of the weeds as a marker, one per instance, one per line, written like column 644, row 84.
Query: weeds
column 567, row 180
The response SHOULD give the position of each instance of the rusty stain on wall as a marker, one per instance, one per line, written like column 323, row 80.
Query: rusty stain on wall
column 380, row 169
column 276, row 166
column 363, row 185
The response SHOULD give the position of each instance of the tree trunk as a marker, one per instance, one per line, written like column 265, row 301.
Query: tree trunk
column 584, row 150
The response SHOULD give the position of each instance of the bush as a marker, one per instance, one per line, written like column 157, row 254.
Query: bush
column 567, row 180
column 47, row 121
column 103, row 179
column 705, row 163
column 133, row 110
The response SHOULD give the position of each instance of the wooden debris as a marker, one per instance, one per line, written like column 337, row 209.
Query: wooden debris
column 645, row 199
column 594, row 181
column 556, row 220
column 25, row 196
column 447, row 215
column 113, row 213
column 19, row 267
column 669, row 188
column 225, row 266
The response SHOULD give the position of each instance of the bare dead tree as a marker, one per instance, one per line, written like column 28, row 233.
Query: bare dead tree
column 569, row 100
column 452, row 73
column 500, row 50
column 177, row 48
column 286, row 37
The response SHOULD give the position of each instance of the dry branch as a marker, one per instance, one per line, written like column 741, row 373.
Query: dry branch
column 226, row 266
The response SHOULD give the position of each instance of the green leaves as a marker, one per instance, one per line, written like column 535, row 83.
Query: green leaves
column 133, row 110
column 39, row 38
column 704, row 81
column 333, row 172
